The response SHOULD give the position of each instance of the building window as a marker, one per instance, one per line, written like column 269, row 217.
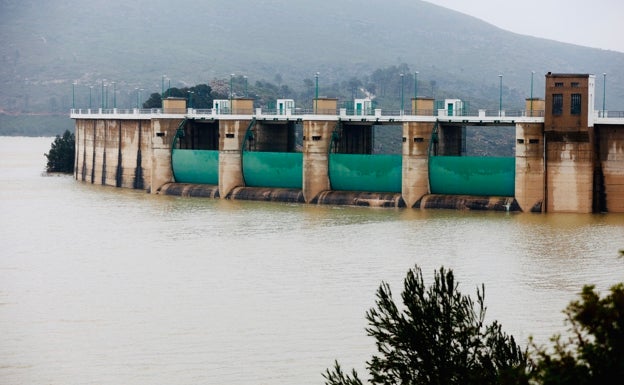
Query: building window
column 558, row 84
column 575, row 85
column 575, row 105
column 557, row 106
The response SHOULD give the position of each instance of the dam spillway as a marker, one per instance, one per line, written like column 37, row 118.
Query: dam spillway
column 327, row 157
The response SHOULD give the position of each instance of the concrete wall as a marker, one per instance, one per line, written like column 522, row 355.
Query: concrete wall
column 122, row 153
column 612, row 164
column 535, row 107
column 173, row 105
column 415, row 169
column 112, row 152
column 570, row 143
column 231, row 136
column 325, row 106
column 530, row 167
column 161, row 138
column 316, row 140
column 242, row 106
column 422, row 106
column 566, row 85
column 569, row 172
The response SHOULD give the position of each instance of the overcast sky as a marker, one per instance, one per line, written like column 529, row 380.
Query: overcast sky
column 592, row 23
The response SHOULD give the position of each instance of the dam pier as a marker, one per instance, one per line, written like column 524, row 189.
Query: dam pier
column 568, row 156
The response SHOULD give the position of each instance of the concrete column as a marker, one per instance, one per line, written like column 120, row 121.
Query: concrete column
column 416, row 139
column 162, row 134
column 529, row 192
column 79, row 128
column 612, row 159
column 231, row 136
column 316, row 140
column 110, row 150
column 99, row 146
column 569, row 172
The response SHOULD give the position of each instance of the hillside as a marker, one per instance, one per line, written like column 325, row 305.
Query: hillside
column 46, row 46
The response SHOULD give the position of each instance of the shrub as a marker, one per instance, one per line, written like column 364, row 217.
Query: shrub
column 439, row 337
column 62, row 153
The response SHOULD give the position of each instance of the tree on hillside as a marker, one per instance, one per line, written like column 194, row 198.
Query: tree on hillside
column 198, row 96
column 62, row 153
column 439, row 337
column 154, row 101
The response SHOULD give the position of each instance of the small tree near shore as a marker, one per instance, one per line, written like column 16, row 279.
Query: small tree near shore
column 440, row 337
column 62, row 153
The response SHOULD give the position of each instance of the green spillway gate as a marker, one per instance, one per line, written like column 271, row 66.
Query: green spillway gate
column 472, row 175
column 371, row 173
column 195, row 166
column 273, row 169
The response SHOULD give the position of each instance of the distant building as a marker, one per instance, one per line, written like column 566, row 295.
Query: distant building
column 453, row 107
column 285, row 106
column 363, row 106
column 221, row 106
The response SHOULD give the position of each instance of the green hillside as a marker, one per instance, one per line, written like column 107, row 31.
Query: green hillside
column 46, row 46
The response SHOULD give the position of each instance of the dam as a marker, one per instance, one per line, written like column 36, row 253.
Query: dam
column 568, row 156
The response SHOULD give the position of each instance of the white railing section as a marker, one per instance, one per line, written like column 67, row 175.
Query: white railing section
column 600, row 116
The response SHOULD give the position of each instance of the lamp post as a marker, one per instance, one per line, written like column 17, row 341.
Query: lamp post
column 114, row 95
column 316, row 76
column 90, row 91
column 416, row 93
column 162, row 87
column 402, row 77
column 137, row 103
column 73, row 95
column 604, row 92
column 106, row 89
column 231, row 92
column 245, row 77
column 190, row 99
column 102, row 99
column 500, row 98
column 532, row 73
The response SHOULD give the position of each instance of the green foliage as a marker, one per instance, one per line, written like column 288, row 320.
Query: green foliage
column 62, row 153
column 438, row 338
column 199, row 96
column 46, row 46
column 154, row 101
column 338, row 377
column 594, row 353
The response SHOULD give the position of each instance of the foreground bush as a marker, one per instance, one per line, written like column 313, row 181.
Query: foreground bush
column 62, row 153
column 438, row 337
column 594, row 352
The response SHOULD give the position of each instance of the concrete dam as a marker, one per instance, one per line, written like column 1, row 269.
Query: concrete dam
column 568, row 157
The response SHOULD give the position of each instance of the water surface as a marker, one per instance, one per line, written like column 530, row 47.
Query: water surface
column 100, row 285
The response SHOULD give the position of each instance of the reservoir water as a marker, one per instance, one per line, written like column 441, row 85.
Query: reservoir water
column 100, row 285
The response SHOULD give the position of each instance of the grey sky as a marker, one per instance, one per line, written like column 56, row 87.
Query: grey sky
column 597, row 23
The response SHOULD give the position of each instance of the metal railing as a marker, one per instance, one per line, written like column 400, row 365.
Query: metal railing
column 340, row 112
column 608, row 114
column 116, row 111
